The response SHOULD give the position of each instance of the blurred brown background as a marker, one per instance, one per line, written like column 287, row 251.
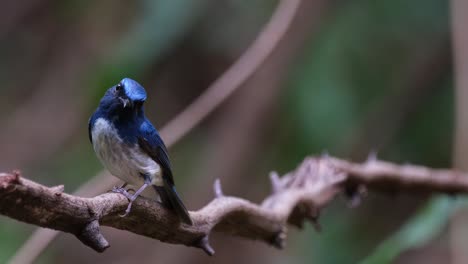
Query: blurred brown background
column 349, row 77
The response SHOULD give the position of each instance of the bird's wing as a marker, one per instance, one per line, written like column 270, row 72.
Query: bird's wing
column 90, row 126
column 151, row 143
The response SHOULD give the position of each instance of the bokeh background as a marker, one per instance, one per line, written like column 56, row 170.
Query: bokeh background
column 349, row 78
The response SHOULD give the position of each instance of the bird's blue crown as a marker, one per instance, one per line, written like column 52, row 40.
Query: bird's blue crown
column 133, row 90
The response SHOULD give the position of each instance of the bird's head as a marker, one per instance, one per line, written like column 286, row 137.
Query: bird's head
column 127, row 94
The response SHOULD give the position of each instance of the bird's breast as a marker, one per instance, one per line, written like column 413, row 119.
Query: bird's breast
column 124, row 160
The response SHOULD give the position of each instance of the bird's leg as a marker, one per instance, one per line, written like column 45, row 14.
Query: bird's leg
column 133, row 197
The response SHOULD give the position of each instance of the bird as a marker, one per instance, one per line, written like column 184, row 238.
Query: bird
column 130, row 147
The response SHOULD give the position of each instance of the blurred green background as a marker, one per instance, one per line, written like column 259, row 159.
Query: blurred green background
column 350, row 77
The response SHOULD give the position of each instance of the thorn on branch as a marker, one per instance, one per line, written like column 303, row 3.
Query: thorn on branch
column 372, row 156
column 325, row 154
column 58, row 190
column 218, row 191
column 92, row 237
column 16, row 175
column 354, row 193
column 8, row 180
column 279, row 240
column 204, row 244
column 275, row 182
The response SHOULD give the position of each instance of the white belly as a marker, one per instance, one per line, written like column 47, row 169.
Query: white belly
column 126, row 162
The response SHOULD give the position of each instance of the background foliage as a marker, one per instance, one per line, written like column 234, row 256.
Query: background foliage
column 375, row 76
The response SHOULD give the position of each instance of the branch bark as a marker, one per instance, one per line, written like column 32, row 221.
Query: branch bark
column 297, row 196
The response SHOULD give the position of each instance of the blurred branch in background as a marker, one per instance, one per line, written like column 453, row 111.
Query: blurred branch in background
column 296, row 197
column 195, row 113
column 235, row 76
column 458, row 228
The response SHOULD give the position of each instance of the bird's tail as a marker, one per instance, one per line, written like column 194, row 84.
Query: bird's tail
column 171, row 200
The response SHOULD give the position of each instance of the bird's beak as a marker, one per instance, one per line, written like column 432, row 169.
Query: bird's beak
column 125, row 101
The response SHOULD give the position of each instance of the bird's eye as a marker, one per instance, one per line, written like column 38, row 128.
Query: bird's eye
column 119, row 87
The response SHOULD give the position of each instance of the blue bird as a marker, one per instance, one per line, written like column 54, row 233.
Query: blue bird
column 129, row 146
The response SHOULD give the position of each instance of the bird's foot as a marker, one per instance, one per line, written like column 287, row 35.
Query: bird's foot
column 122, row 191
column 131, row 198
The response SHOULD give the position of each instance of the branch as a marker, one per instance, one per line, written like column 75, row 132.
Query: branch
column 297, row 196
